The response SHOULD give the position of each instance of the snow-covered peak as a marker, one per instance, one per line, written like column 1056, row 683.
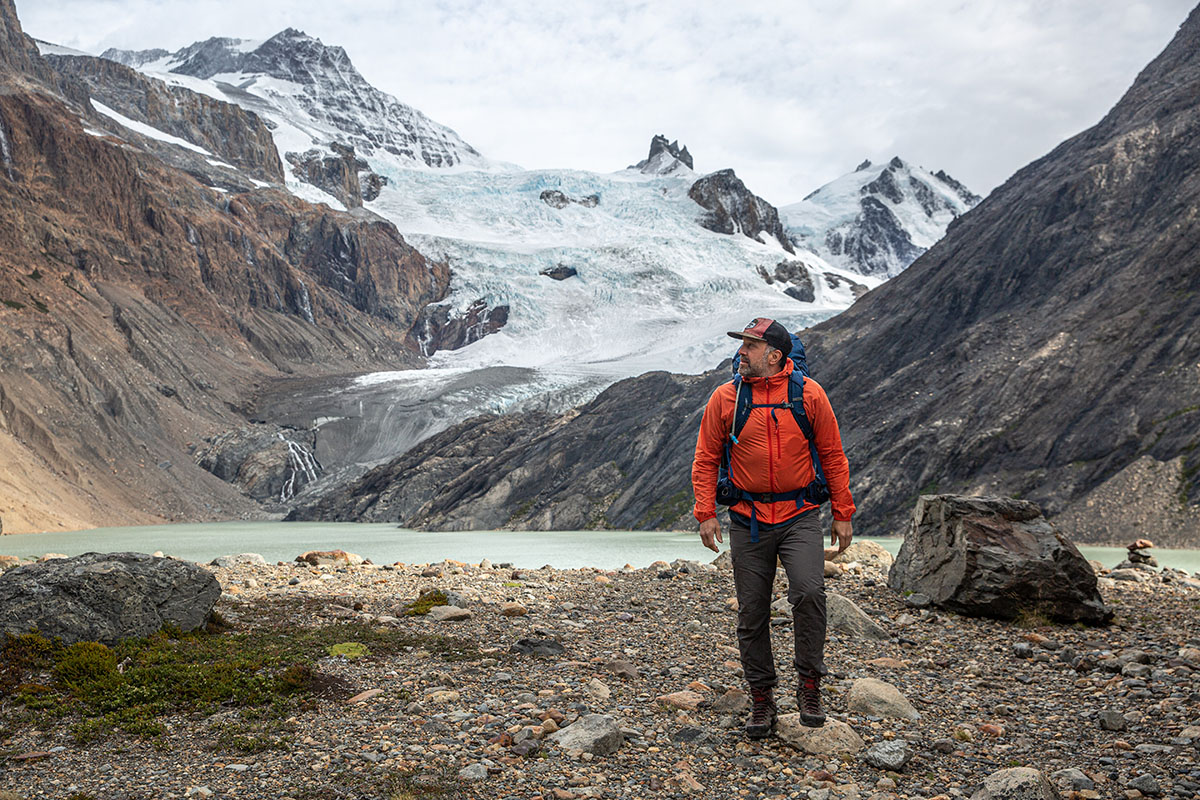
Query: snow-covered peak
column 878, row 219
column 666, row 158
column 312, row 94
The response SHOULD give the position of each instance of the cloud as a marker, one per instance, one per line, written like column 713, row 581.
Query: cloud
column 791, row 95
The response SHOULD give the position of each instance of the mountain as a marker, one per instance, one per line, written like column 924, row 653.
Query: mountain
column 665, row 158
column 401, row 284
column 313, row 96
column 877, row 219
column 148, row 286
column 1045, row 348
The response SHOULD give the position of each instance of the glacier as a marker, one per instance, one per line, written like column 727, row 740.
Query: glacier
column 651, row 289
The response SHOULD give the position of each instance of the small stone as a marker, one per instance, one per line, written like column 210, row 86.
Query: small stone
column 1073, row 779
column 449, row 614
column 237, row 767
column 597, row 689
column 198, row 791
column 538, row 647
column 595, row 734
column 892, row 755
column 474, row 772
column 622, row 669
column 1146, row 784
column 362, row 697
column 734, row 701
column 918, row 600
column 1113, row 721
column 1016, row 783
column 513, row 610
column 686, row 700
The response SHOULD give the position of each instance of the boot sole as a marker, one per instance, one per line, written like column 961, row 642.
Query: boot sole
column 809, row 721
column 759, row 733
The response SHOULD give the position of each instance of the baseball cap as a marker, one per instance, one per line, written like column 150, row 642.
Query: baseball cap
column 766, row 330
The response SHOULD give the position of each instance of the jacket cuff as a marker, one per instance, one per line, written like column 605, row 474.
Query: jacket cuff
column 842, row 517
column 705, row 516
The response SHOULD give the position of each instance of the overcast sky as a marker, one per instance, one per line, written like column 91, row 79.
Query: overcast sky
column 791, row 95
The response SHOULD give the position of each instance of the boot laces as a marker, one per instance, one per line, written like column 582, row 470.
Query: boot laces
column 760, row 713
column 810, row 696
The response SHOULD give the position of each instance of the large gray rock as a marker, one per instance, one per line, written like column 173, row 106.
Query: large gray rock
column 106, row 597
column 834, row 738
column 1017, row 783
column 880, row 699
column 995, row 557
column 597, row 734
column 844, row 616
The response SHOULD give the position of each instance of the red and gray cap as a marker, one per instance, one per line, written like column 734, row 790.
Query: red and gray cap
column 766, row 330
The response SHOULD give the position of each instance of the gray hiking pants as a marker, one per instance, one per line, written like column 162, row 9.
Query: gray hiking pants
column 799, row 545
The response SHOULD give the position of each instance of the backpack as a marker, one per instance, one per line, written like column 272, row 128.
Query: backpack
column 816, row 492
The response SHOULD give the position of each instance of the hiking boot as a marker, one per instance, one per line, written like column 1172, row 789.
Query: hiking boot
column 762, row 714
column 808, row 698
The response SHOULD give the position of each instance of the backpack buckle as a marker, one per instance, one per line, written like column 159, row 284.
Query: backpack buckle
column 766, row 497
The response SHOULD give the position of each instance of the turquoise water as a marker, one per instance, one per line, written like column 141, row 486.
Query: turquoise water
column 384, row 543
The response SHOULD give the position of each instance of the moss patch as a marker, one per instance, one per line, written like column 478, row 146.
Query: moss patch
column 96, row 691
column 349, row 650
column 420, row 607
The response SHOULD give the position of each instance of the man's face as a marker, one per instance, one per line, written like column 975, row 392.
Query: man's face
column 756, row 359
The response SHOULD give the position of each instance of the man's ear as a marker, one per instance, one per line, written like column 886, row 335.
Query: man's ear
column 775, row 356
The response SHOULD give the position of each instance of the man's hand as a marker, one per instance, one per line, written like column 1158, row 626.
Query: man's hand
column 840, row 535
column 710, row 534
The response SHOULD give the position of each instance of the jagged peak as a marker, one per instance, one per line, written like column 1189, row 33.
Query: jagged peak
column 866, row 164
column 897, row 163
column 665, row 157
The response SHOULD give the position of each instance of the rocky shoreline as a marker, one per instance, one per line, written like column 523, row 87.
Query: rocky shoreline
column 641, row 665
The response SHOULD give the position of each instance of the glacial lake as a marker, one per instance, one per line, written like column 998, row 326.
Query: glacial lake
column 385, row 543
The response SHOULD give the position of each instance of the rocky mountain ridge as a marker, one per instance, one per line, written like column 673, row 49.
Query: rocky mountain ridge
column 878, row 219
column 294, row 76
column 140, row 305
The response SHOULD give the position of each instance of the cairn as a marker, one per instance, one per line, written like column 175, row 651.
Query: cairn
column 1137, row 554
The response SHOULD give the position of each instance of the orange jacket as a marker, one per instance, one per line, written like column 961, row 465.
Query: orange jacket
column 771, row 454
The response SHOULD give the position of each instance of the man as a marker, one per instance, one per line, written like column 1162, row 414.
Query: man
column 770, row 456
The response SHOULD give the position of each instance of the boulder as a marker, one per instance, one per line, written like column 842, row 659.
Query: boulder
column 844, row 616
column 1017, row 783
column 8, row 562
column 879, row 699
column 330, row 558
column 995, row 557
column 597, row 734
column 238, row 560
column 866, row 553
column 106, row 597
column 834, row 738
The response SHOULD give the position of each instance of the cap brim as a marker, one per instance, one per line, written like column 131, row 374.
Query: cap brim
column 744, row 335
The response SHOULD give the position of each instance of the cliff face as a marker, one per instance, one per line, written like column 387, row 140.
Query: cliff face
column 224, row 129
column 139, row 307
column 732, row 208
column 1047, row 348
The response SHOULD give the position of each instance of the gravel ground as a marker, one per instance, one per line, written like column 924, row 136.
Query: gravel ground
column 990, row 695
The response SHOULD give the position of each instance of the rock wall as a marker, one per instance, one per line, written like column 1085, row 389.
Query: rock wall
column 139, row 308
column 732, row 208
column 229, row 132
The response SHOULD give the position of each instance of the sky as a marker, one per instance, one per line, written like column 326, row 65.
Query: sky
column 789, row 94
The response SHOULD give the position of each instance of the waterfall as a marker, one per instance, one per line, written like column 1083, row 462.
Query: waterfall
column 303, row 464
column 5, row 153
